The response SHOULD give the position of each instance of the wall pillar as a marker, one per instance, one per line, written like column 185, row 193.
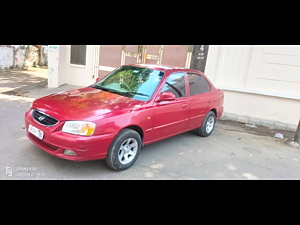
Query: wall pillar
column 53, row 56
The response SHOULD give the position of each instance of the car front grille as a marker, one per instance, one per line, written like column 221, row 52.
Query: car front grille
column 43, row 118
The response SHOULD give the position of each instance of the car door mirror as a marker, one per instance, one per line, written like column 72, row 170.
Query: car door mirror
column 165, row 96
column 97, row 79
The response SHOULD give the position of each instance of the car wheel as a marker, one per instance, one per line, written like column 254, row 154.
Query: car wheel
column 124, row 150
column 208, row 125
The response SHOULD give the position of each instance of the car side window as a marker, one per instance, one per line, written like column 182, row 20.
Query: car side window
column 198, row 84
column 175, row 84
column 206, row 85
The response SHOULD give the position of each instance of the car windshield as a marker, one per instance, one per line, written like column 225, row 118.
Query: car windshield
column 133, row 82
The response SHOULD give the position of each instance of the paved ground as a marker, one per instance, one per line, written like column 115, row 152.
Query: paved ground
column 20, row 82
column 28, row 83
column 233, row 151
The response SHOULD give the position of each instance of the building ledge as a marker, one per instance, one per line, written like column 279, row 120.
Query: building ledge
column 260, row 93
column 76, row 65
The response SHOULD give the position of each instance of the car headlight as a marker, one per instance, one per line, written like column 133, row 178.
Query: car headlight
column 79, row 127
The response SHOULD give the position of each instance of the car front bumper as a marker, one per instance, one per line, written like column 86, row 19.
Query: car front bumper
column 55, row 142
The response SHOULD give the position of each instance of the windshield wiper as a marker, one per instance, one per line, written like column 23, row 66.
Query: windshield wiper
column 105, row 89
column 136, row 93
column 119, row 92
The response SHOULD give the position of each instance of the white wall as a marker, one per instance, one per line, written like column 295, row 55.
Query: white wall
column 53, row 66
column 270, row 69
column 18, row 55
column 75, row 74
column 6, row 57
column 260, row 81
column 228, row 65
column 279, row 70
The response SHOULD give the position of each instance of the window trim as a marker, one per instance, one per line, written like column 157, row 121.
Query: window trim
column 187, row 85
column 77, row 65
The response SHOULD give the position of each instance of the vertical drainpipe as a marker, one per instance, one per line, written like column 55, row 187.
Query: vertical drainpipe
column 95, row 63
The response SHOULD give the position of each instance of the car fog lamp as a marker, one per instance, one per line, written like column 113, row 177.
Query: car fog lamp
column 69, row 152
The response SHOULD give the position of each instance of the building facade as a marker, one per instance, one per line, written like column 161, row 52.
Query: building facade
column 82, row 64
column 261, row 82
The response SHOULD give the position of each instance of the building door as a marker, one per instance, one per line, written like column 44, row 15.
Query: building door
column 150, row 54
column 113, row 56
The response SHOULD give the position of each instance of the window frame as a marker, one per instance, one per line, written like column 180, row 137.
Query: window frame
column 202, row 81
column 77, row 63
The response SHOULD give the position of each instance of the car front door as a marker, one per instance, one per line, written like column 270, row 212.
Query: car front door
column 170, row 117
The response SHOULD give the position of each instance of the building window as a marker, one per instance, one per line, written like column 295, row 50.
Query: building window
column 78, row 54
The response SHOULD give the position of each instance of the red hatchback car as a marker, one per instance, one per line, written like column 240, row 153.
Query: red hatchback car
column 132, row 106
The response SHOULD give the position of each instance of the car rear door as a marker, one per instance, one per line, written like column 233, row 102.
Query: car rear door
column 199, row 100
column 170, row 117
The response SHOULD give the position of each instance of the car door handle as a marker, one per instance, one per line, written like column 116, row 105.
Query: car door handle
column 184, row 106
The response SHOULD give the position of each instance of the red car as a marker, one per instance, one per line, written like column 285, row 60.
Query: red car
column 132, row 106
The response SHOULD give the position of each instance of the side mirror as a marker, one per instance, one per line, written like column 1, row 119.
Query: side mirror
column 165, row 96
column 97, row 79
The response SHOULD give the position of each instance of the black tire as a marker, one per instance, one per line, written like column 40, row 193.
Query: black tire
column 116, row 157
column 209, row 118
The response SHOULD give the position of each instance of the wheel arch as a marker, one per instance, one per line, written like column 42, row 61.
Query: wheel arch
column 215, row 111
column 136, row 128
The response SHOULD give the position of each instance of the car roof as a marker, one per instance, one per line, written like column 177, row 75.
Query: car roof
column 161, row 67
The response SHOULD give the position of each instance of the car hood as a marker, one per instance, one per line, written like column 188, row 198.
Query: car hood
column 85, row 104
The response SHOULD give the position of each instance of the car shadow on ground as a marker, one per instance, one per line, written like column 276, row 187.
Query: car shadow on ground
column 97, row 169
column 64, row 163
